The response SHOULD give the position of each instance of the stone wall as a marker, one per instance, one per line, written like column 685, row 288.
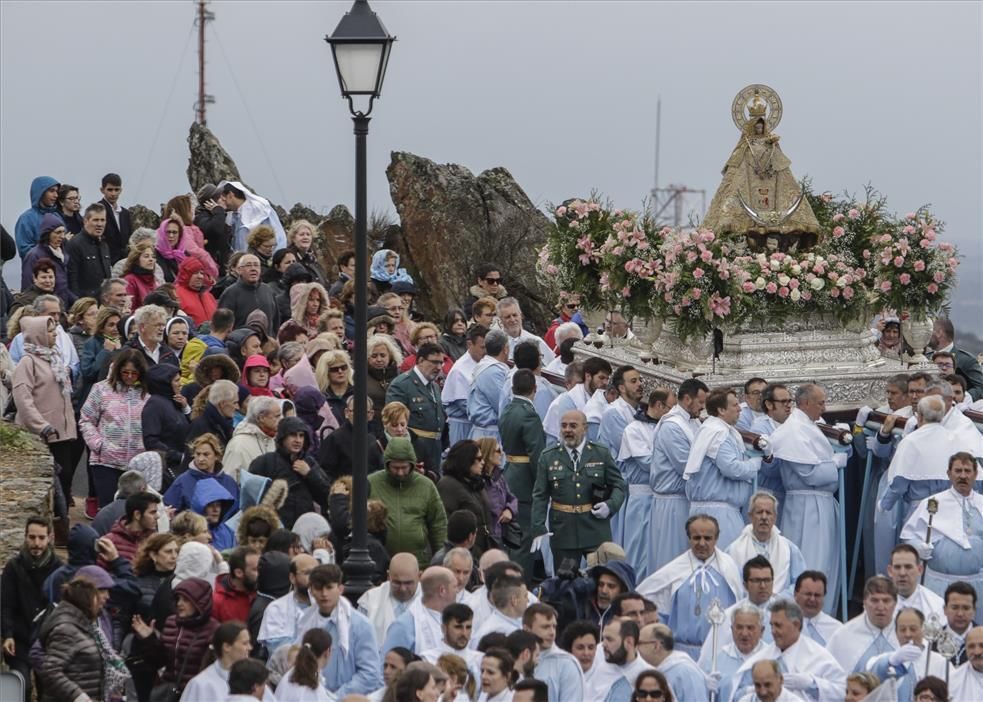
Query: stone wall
column 25, row 485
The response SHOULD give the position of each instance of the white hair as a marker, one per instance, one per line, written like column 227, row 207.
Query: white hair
column 568, row 330
column 222, row 390
column 931, row 409
column 258, row 406
column 149, row 312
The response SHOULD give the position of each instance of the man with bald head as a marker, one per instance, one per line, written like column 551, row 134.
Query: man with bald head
column 249, row 293
column 768, row 684
column 419, row 627
column 279, row 625
column 585, row 487
column 810, row 473
column 967, row 682
column 384, row 603
column 657, row 649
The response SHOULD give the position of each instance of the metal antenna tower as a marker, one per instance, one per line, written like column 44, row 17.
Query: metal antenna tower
column 203, row 98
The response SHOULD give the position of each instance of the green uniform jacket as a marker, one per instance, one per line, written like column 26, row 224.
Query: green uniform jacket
column 522, row 434
column 416, row 522
column 426, row 413
column 557, row 479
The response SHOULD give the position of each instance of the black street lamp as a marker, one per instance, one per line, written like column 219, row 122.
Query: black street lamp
column 360, row 46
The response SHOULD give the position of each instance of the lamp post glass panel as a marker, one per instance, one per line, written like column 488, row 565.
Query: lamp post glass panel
column 360, row 46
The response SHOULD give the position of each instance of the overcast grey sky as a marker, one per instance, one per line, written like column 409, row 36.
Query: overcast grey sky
column 563, row 94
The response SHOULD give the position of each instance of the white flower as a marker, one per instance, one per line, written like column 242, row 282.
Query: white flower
column 775, row 265
column 760, row 283
column 783, row 279
column 796, row 269
column 795, row 295
column 841, row 281
column 817, row 284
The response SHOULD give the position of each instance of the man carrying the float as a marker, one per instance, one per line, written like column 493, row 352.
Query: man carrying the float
column 953, row 419
column 634, row 460
column 685, row 587
column 776, row 401
column 616, row 416
column 967, row 682
column 880, row 529
column 920, row 465
column 954, row 548
column 596, row 374
column 719, row 474
column 809, row 472
column 670, row 508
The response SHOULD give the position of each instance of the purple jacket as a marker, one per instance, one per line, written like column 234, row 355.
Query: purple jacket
column 499, row 498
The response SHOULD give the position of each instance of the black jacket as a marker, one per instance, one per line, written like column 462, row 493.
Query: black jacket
column 310, row 262
column 23, row 598
column 165, row 426
column 117, row 236
column 218, row 237
column 211, row 420
column 89, row 263
column 335, row 454
column 303, row 491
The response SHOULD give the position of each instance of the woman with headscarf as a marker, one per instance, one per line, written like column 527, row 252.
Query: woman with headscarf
column 179, row 208
column 174, row 244
column 111, row 422
column 138, row 272
column 192, row 287
column 184, row 638
column 256, row 376
column 385, row 270
column 42, row 390
column 52, row 236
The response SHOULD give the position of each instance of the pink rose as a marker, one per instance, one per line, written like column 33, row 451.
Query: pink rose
column 866, row 254
column 560, row 211
column 771, row 288
column 706, row 256
column 908, row 229
column 898, row 261
column 919, row 266
column 834, row 292
column 838, row 232
column 552, row 270
column 853, row 213
column 904, row 278
column 625, row 291
column 885, row 286
column 690, row 256
column 806, row 295
column 932, row 288
column 698, row 273
column 783, row 291
column 747, row 287
column 911, row 216
column 929, row 234
column 924, row 243
column 794, row 284
column 696, row 293
column 848, row 292
column 838, row 217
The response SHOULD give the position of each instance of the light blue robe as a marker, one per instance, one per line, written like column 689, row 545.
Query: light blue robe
column 483, row 400
column 685, row 679
column 618, row 415
column 729, row 659
column 621, row 691
column 458, row 425
column 545, row 394
column 810, row 519
column 638, row 506
column 670, row 508
column 908, row 493
column 687, row 614
column 951, row 562
column 359, row 671
column 748, row 418
column 562, row 674
column 770, row 474
column 722, row 488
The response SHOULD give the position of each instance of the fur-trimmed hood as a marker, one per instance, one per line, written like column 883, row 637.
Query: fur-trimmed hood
column 299, row 295
column 230, row 371
column 261, row 511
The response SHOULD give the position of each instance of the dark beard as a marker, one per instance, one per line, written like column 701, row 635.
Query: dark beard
column 619, row 657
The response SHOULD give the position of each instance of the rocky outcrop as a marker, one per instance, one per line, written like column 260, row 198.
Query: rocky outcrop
column 142, row 216
column 451, row 221
column 26, row 472
column 209, row 162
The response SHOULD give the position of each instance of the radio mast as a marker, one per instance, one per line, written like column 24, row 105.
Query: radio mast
column 203, row 98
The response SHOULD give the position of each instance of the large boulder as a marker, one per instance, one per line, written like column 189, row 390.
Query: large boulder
column 451, row 221
column 209, row 162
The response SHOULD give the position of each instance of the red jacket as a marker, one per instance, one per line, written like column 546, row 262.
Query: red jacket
column 126, row 541
column 139, row 286
column 198, row 305
column 229, row 604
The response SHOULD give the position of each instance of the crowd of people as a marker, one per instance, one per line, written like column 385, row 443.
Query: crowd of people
column 541, row 527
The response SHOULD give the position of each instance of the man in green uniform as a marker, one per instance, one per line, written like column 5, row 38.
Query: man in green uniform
column 585, row 487
column 417, row 390
column 523, row 439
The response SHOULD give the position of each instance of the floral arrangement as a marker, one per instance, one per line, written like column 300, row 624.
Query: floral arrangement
column 697, row 280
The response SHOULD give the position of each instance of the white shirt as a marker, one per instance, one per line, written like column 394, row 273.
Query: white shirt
column 381, row 609
column 288, row 691
column 213, row 684
column 966, row 683
column 925, row 601
column 496, row 623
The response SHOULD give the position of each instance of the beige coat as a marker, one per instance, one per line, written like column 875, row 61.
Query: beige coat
column 39, row 399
